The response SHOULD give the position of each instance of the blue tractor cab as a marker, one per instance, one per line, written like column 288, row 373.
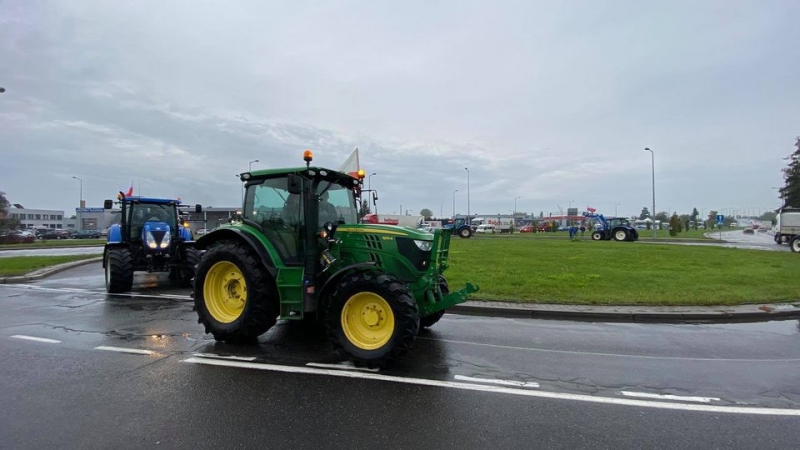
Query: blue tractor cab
column 150, row 237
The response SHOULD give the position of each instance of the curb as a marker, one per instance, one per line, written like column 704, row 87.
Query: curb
column 47, row 271
column 643, row 314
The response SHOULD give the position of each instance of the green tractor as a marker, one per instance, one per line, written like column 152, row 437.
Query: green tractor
column 298, row 252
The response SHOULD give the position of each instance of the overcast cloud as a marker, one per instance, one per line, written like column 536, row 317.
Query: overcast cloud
column 552, row 102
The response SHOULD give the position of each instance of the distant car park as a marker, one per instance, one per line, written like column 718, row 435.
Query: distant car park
column 16, row 237
column 54, row 234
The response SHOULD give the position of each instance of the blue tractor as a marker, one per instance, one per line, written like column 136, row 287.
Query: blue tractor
column 460, row 227
column 148, row 238
column 616, row 228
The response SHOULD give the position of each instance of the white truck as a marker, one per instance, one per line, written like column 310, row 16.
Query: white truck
column 787, row 228
column 394, row 219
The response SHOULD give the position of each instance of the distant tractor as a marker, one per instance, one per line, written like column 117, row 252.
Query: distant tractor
column 460, row 227
column 616, row 228
column 298, row 252
column 149, row 238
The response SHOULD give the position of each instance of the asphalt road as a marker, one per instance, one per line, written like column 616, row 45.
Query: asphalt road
column 470, row 382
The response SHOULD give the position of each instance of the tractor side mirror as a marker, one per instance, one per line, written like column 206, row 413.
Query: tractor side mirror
column 108, row 204
column 198, row 208
column 294, row 184
column 374, row 198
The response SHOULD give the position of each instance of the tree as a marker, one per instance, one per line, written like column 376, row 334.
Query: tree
column 6, row 223
column 4, row 204
column 426, row 213
column 365, row 208
column 790, row 192
column 674, row 225
column 645, row 213
column 712, row 218
column 694, row 217
column 662, row 216
column 768, row 216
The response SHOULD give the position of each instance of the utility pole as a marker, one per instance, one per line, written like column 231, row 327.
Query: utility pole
column 653, row 168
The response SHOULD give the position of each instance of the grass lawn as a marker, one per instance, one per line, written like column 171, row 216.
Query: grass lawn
column 18, row 265
column 519, row 268
column 53, row 243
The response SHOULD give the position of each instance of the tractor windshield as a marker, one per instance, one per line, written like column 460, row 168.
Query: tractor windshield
column 342, row 201
column 140, row 213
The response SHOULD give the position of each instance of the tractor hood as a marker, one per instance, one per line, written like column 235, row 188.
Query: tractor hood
column 386, row 230
column 156, row 236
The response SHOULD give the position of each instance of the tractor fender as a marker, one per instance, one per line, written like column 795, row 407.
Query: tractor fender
column 115, row 234
column 332, row 280
column 242, row 237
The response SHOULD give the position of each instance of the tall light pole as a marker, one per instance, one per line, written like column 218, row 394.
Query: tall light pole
column 468, row 212
column 369, row 181
column 515, row 206
column 653, row 168
column 250, row 165
column 80, row 204
column 569, row 219
column 454, row 203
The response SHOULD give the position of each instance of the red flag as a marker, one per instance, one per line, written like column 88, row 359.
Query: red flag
column 130, row 191
column 590, row 209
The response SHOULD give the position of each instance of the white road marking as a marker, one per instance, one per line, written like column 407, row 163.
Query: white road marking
column 605, row 355
column 34, row 338
column 94, row 291
column 528, row 384
column 342, row 366
column 669, row 397
column 135, row 351
column 498, row 389
column 235, row 358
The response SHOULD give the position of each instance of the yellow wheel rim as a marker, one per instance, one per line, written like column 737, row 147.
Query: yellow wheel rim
column 367, row 320
column 225, row 292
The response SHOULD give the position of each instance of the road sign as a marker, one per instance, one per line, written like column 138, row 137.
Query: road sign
column 720, row 219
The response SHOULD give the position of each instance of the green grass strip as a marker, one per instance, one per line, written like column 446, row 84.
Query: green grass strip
column 20, row 265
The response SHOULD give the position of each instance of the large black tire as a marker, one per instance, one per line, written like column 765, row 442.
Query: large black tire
column 620, row 235
column 234, row 295
column 185, row 276
column 119, row 270
column 429, row 321
column 795, row 244
column 371, row 318
column 597, row 236
column 465, row 233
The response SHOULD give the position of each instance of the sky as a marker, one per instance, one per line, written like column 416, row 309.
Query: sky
column 453, row 105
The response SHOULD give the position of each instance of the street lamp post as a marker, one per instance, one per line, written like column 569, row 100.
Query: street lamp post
column 250, row 165
column 653, row 169
column 468, row 212
column 515, row 205
column 454, row 203
column 369, row 181
column 80, row 204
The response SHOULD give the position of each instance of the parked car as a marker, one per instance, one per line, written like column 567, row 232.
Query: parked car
column 202, row 231
column 16, row 237
column 87, row 234
column 54, row 234
column 526, row 229
column 748, row 231
column 485, row 228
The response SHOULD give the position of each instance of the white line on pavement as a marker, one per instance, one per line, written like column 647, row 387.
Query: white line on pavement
column 669, row 397
column 342, row 366
column 94, row 291
column 497, row 389
column 135, row 351
column 34, row 338
column 528, row 384
column 605, row 355
column 236, row 358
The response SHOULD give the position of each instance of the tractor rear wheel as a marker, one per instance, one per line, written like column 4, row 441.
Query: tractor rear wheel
column 465, row 233
column 119, row 270
column 429, row 321
column 621, row 235
column 597, row 236
column 371, row 318
column 234, row 295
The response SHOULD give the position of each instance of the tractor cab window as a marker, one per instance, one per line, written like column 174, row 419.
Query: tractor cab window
column 141, row 213
column 280, row 214
column 337, row 204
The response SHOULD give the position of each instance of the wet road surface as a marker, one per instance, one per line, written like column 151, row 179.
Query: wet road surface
column 470, row 382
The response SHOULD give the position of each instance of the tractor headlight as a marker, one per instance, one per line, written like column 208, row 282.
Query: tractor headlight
column 425, row 246
column 165, row 241
column 150, row 240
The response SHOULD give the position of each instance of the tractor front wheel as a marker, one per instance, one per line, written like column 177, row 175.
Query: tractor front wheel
column 119, row 270
column 597, row 236
column 372, row 318
column 234, row 295
column 465, row 233
column 620, row 235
